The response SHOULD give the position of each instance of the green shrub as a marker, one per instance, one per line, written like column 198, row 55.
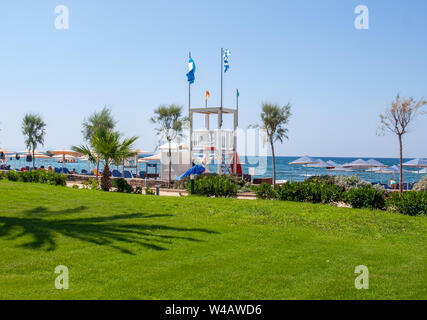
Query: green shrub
column 38, row 176
column 265, row 191
column 214, row 186
column 122, row 185
column 365, row 197
column 12, row 175
column 91, row 183
column 349, row 182
column 138, row 190
column 149, row 192
column 421, row 185
column 309, row 191
column 75, row 186
column 411, row 203
column 2, row 175
column 325, row 179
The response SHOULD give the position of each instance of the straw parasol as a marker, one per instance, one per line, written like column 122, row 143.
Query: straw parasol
column 304, row 161
column 5, row 151
column 141, row 151
column 155, row 157
column 418, row 163
column 65, row 153
column 319, row 165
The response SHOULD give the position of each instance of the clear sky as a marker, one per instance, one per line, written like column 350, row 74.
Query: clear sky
column 132, row 55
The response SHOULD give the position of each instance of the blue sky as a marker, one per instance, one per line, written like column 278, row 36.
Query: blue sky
column 132, row 56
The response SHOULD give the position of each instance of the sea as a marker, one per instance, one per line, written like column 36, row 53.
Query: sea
column 262, row 167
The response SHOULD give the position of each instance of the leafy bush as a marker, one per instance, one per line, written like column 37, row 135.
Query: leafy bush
column 349, row 182
column 2, row 175
column 122, row 185
column 91, row 183
column 316, row 192
column 149, row 192
column 322, row 179
column 365, row 197
column 410, row 203
column 138, row 190
column 12, row 175
column 218, row 186
column 38, row 176
column 421, row 185
column 75, row 186
column 265, row 191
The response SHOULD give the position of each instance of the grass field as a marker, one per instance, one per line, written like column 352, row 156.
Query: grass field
column 119, row 246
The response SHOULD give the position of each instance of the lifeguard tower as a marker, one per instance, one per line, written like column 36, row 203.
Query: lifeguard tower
column 218, row 144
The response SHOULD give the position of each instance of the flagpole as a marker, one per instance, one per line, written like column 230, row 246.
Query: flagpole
column 190, row 119
column 237, row 105
column 219, row 142
column 222, row 70
column 189, row 92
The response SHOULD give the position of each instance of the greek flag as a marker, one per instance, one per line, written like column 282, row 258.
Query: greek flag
column 191, row 71
column 227, row 54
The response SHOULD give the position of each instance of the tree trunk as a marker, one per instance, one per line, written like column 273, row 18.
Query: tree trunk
column 274, row 163
column 97, row 170
column 401, row 163
column 34, row 162
column 170, row 165
column 105, row 179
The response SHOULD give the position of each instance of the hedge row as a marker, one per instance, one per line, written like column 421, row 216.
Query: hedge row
column 36, row 176
column 409, row 203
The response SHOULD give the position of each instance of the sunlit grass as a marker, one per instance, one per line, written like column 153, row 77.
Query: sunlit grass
column 119, row 246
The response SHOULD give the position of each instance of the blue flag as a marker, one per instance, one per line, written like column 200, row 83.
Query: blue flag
column 191, row 71
column 227, row 54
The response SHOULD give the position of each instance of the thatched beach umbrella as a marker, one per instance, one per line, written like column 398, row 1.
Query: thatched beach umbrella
column 418, row 163
column 155, row 157
column 304, row 161
column 319, row 165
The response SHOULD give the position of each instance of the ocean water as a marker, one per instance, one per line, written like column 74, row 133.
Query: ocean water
column 285, row 171
column 263, row 168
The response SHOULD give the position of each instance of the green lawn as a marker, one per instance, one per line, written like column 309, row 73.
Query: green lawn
column 119, row 246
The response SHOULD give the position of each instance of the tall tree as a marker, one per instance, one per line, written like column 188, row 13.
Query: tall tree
column 274, row 121
column 34, row 129
column 108, row 146
column 98, row 120
column 397, row 119
column 170, row 125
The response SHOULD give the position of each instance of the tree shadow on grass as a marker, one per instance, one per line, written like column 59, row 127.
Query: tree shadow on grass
column 112, row 231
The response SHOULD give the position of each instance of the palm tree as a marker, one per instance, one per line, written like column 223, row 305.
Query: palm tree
column 108, row 147
column 96, row 121
column 170, row 125
column 101, row 119
column 34, row 129
column 273, row 121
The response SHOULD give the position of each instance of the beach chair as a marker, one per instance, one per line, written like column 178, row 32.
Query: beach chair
column 66, row 171
column 142, row 174
column 116, row 173
column 84, row 172
column 128, row 175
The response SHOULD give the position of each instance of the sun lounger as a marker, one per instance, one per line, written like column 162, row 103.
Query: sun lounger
column 128, row 175
column 116, row 173
column 142, row 174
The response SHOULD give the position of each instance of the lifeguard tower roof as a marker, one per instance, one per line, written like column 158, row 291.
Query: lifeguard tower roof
column 213, row 110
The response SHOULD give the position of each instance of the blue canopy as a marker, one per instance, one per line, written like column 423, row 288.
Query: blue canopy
column 197, row 169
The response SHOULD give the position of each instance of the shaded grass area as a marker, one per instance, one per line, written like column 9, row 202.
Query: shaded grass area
column 120, row 246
